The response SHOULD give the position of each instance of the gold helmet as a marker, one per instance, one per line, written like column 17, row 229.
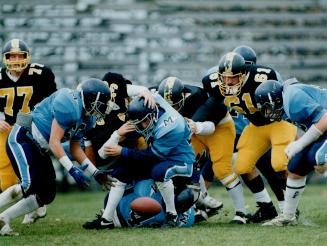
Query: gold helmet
column 231, row 65
column 12, row 47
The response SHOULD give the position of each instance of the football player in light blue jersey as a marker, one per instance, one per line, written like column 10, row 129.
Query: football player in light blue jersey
column 66, row 114
column 169, row 154
column 306, row 106
column 124, row 216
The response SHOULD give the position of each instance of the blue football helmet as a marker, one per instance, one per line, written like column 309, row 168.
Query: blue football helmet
column 137, row 113
column 231, row 65
column 247, row 53
column 15, row 47
column 96, row 97
column 172, row 90
column 269, row 99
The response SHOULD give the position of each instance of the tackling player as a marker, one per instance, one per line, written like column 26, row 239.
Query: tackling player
column 168, row 154
column 122, row 91
column 213, row 132
column 234, row 84
column 22, row 86
column 277, row 184
column 65, row 115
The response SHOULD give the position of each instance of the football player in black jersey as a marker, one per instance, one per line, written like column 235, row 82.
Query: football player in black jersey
column 213, row 132
column 121, row 91
column 114, row 126
column 277, row 184
column 234, row 84
column 22, row 86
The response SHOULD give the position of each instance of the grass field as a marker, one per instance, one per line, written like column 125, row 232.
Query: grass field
column 62, row 226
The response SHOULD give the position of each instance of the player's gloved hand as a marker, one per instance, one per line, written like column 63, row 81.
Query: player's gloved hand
column 292, row 149
column 104, row 179
column 79, row 177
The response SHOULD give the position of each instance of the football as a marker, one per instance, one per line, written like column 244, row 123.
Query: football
column 146, row 205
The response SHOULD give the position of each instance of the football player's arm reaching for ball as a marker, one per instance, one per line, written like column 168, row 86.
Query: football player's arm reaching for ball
column 56, row 135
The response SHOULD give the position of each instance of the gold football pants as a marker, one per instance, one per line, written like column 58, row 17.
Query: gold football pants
column 7, row 174
column 219, row 145
column 256, row 140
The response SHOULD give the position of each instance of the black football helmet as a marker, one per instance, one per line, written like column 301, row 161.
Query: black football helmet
column 172, row 90
column 231, row 65
column 247, row 53
column 15, row 46
column 137, row 113
column 269, row 99
column 96, row 97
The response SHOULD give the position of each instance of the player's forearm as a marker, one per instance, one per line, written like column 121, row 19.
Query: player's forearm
column 138, row 154
column 113, row 140
column 204, row 128
column 309, row 137
column 77, row 152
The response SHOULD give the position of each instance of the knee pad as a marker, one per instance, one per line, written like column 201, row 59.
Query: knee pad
column 222, row 170
column 241, row 169
column 279, row 164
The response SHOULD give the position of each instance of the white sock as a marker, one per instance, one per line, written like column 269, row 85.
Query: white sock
column 235, row 191
column 262, row 196
column 202, row 185
column 24, row 206
column 294, row 190
column 10, row 195
column 115, row 195
column 167, row 192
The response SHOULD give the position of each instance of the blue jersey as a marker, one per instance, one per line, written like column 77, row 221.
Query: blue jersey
column 66, row 107
column 170, row 138
column 125, row 217
column 304, row 104
column 240, row 122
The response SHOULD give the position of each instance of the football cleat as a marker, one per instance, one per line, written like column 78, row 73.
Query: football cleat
column 282, row 220
column 207, row 202
column 171, row 220
column 240, row 218
column 266, row 211
column 5, row 229
column 32, row 217
column 98, row 224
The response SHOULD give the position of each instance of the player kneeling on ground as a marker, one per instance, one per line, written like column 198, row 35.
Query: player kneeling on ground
column 142, row 206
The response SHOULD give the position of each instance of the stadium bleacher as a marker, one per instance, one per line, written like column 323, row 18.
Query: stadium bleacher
column 148, row 40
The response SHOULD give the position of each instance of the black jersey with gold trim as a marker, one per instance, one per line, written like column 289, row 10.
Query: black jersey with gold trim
column 245, row 102
column 36, row 83
column 199, row 107
column 194, row 97
column 103, row 130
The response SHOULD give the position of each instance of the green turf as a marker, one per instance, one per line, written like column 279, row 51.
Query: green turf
column 62, row 226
